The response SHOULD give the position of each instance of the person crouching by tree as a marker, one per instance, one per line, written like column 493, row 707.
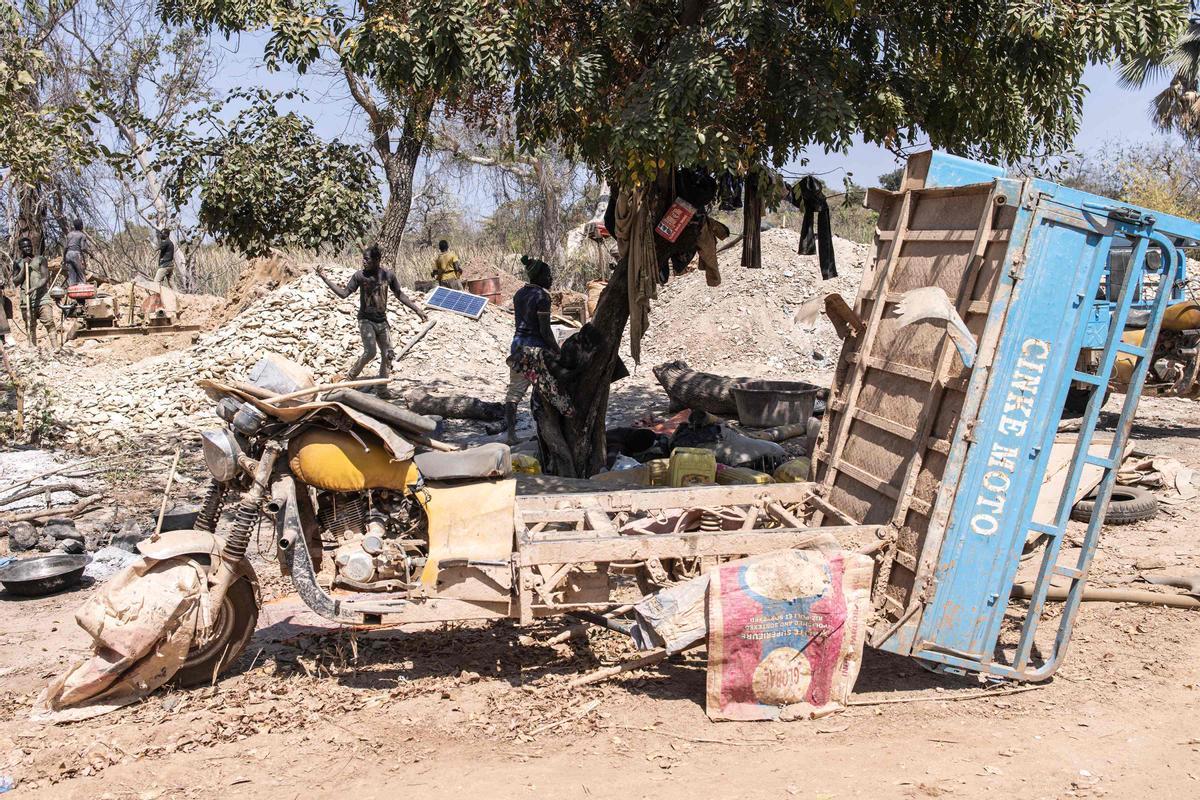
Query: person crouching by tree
column 446, row 269
column 32, row 276
column 373, row 283
column 531, row 339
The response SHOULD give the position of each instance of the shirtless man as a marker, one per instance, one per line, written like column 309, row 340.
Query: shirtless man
column 373, row 283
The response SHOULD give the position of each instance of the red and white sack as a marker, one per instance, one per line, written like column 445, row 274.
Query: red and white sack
column 786, row 633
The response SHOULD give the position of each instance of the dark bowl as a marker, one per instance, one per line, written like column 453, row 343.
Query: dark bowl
column 35, row 577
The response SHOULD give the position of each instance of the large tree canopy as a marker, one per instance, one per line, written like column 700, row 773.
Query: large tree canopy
column 634, row 85
column 639, row 84
column 265, row 179
column 635, row 88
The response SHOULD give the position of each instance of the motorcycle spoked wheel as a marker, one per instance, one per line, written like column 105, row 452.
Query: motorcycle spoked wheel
column 222, row 644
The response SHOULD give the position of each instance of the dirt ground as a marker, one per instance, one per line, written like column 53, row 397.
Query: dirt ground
column 485, row 710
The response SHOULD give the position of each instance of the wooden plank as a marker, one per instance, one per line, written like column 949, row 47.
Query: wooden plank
column 544, row 515
column 866, row 479
column 892, row 367
column 682, row 545
column 438, row 609
column 854, row 383
column 945, row 352
column 884, row 424
column 1058, row 468
column 598, row 521
column 974, row 307
column 534, row 507
column 944, row 235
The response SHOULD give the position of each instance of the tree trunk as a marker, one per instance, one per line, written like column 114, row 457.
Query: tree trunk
column 399, row 167
column 162, row 213
column 574, row 447
column 550, row 218
column 31, row 217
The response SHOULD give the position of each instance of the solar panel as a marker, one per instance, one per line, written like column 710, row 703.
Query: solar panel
column 454, row 301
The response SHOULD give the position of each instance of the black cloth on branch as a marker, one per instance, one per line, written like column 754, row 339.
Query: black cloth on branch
column 610, row 211
column 729, row 192
column 752, row 224
column 809, row 194
column 697, row 187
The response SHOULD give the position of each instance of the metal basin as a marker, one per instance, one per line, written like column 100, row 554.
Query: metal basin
column 34, row 577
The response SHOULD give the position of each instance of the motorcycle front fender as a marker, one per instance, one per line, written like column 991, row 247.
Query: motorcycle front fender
column 202, row 544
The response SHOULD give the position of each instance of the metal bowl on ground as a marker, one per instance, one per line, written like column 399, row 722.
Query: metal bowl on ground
column 35, row 577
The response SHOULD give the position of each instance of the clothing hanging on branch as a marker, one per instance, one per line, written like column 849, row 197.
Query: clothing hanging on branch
column 635, row 236
column 819, row 241
column 752, row 212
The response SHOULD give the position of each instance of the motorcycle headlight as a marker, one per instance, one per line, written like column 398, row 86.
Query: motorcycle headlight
column 221, row 453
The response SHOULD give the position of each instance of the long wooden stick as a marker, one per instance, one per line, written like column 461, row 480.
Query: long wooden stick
column 946, row 698
column 649, row 659
column 418, row 336
column 56, row 471
column 162, row 510
column 46, row 513
column 595, row 676
column 324, row 387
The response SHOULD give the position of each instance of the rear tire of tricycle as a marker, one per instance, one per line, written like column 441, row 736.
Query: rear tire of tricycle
column 230, row 634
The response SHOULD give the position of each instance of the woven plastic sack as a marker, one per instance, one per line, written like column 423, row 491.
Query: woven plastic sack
column 786, row 633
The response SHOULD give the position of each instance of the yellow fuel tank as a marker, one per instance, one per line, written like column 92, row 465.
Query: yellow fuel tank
column 337, row 462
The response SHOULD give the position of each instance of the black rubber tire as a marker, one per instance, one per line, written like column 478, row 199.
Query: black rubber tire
column 234, row 633
column 1129, row 504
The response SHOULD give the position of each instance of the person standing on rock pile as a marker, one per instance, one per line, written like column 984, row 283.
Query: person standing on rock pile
column 75, row 252
column 166, row 259
column 373, row 283
column 32, row 277
column 532, row 336
column 446, row 270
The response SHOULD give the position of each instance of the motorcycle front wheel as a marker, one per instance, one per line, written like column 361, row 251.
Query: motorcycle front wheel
column 216, row 649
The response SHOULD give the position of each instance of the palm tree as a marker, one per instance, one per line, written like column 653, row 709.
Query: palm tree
column 1177, row 107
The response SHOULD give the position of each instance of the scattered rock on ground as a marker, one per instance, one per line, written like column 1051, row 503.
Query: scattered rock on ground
column 72, row 546
column 22, row 536
column 62, row 530
column 108, row 561
column 129, row 535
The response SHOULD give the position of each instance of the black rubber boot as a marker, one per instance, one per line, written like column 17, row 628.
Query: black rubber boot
column 510, row 422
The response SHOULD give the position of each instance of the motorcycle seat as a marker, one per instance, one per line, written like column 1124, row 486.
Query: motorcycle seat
column 1138, row 318
column 492, row 460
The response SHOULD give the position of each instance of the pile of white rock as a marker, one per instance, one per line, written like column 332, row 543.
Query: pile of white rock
column 303, row 321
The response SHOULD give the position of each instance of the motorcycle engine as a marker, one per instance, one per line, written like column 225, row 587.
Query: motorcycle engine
column 378, row 539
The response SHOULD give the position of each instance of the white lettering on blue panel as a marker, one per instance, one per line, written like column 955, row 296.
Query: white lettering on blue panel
column 1023, row 389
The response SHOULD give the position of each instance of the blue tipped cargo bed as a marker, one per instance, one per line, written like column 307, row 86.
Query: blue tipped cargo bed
column 952, row 458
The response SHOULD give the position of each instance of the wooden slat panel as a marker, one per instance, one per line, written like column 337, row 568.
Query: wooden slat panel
column 684, row 545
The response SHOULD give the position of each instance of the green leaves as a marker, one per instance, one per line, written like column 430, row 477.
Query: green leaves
column 265, row 179
column 37, row 138
column 761, row 81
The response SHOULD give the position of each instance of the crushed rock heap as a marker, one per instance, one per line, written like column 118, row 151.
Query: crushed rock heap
column 745, row 325
column 301, row 320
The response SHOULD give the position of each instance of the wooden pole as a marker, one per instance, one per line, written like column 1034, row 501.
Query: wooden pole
column 162, row 509
column 418, row 336
column 279, row 398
